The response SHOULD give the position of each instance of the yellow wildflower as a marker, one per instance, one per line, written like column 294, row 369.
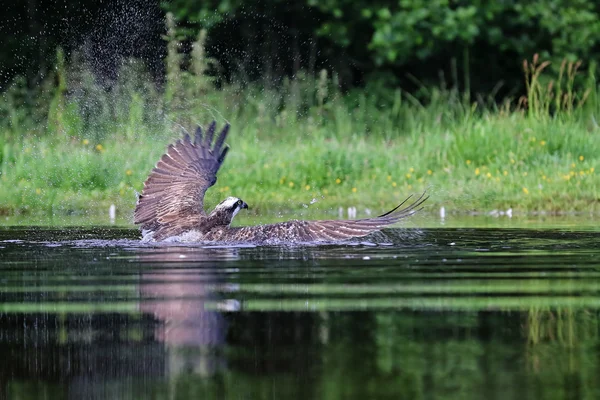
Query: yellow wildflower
column 85, row 141
column 429, row 172
column 100, row 148
column 525, row 190
column 128, row 172
column 291, row 184
column 394, row 184
column 338, row 181
column 477, row 172
column 353, row 190
column 307, row 187
column 505, row 172
column 408, row 176
column 581, row 158
column 468, row 162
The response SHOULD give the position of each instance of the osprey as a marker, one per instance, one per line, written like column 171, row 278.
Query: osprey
column 171, row 206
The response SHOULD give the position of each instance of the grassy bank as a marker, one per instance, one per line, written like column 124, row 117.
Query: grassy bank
column 304, row 142
column 480, row 163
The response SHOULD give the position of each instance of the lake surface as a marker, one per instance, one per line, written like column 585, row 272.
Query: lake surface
column 435, row 313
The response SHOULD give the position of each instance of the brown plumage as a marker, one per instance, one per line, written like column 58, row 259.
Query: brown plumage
column 171, row 206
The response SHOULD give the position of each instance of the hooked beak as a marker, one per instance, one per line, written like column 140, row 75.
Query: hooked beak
column 244, row 205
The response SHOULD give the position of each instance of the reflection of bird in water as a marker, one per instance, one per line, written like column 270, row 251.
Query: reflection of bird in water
column 171, row 205
column 176, row 295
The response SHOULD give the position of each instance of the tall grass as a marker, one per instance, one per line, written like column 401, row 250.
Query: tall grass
column 302, row 143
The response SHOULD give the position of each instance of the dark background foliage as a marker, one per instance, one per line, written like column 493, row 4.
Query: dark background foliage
column 473, row 45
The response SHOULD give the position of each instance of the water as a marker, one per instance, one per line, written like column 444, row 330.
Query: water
column 438, row 313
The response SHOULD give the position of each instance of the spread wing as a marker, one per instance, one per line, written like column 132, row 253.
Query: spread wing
column 323, row 230
column 175, row 188
column 334, row 230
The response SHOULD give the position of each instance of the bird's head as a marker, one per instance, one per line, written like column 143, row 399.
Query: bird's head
column 227, row 209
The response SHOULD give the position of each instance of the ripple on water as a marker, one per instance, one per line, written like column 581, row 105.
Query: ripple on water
column 371, row 317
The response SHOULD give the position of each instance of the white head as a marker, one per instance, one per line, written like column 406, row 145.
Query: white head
column 228, row 208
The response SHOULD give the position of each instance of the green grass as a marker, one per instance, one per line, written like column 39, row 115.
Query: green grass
column 306, row 141
column 480, row 163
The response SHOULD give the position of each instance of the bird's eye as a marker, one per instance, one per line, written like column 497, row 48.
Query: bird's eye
column 239, row 202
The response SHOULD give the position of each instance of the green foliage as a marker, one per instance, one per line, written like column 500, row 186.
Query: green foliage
column 432, row 25
column 269, row 40
column 418, row 29
column 341, row 151
column 409, row 36
column 174, row 85
column 304, row 142
column 210, row 13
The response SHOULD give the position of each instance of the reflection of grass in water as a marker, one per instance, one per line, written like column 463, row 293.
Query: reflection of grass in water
column 69, row 307
column 463, row 303
column 548, row 325
column 563, row 339
column 566, row 326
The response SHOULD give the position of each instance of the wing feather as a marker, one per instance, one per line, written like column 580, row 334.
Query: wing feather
column 221, row 140
column 322, row 230
column 210, row 132
column 347, row 229
column 176, row 186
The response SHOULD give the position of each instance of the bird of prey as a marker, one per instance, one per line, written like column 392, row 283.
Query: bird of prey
column 171, row 205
